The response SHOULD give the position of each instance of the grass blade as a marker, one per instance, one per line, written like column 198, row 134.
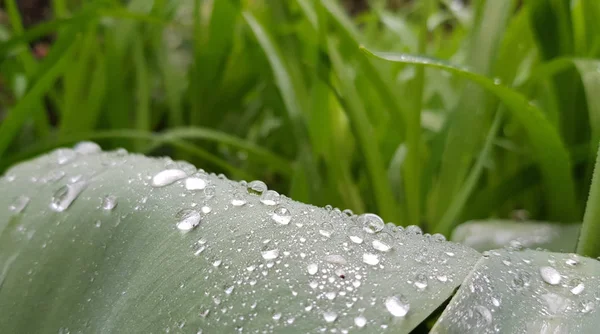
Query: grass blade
column 547, row 145
column 589, row 243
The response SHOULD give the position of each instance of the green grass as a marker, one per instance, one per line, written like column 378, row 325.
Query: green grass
column 282, row 91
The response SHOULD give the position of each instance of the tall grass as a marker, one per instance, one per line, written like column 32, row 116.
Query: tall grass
column 473, row 112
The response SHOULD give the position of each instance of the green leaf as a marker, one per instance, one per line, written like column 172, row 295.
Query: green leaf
column 588, row 241
column 92, row 242
column 526, row 292
column 552, row 156
column 493, row 234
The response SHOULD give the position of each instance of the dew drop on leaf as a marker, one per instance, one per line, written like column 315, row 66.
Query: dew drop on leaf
column 550, row 275
column 371, row 223
column 188, row 219
column 195, row 183
column 269, row 197
column 86, row 148
column 312, row 268
column 19, row 204
column 167, row 176
column 360, row 321
column 370, row 259
column 109, row 202
column 281, row 215
column 256, row 187
column 65, row 195
column 397, row 306
column 330, row 316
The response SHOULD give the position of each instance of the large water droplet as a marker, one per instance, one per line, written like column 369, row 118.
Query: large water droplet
column 87, row 147
column 484, row 316
column 281, row 215
column 397, row 306
column 360, row 321
column 188, row 219
column 371, row 223
column 167, row 176
column 65, row 195
column 238, row 199
column 326, row 229
column 269, row 197
column 550, row 275
column 19, row 204
column 270, row 254
column 109, row 202
column 195, row 183
column 356, row 234
column 312, row 268
column 330, row 316
column 577, row 286
column 257, row 187
column 370, row 259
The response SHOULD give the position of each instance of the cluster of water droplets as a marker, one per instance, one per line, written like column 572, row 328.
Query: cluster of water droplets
column 268, row 251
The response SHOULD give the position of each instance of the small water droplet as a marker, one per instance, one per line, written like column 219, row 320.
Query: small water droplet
column 312, row 268
column 587, row 306
column 330, row 316
column 276, row 316
column 195, row 183
column 269, row 197
column 442, row 278
column 229, row 290
column 238, row 199
column 19, row 204
column 86, row 148
column 397, row 306
column 109, row 202
column 167, row 176
column 521, row 280
column 64, row 155
column 371, row 223
column 413, row 229
column 360, row 321
column 370, row 259
column 550, row 275
column 188, row 219
column 65, row 195
column 381, row 245
column 484, row 316
column 256, row 187
column 98, row 223
column 281, row 215
column 326, row 229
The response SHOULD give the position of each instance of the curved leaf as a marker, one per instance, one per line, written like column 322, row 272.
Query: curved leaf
column 547, row 145
column 526, row 292
column 493, row 234
column 92, row 242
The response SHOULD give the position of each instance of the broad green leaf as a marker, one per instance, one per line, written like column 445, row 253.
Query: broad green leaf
column 493, row 234
column 588, row 240
column 115, row 242
column 526, row 292
column 547, row 145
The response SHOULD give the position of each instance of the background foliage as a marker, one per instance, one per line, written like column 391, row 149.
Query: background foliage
column 281, row 91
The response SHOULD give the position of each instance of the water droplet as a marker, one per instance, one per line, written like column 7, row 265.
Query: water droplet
column 312, row 268
column 270, row 254
column 210, row 191
column 556, row 303
column 217, row 263
column 587, row 306
column 521, row 280
column 438, row 237
column 573, row 260
column 577, row 286
column 281, row 215
column 360, row 321
column 550, row 275
column 335, row 259
column 238, row 199
column 370, row 259
column 442, row 278
column 229, row 290
column 420, row 281
column 269, row 197
column 257, row 187
column 397, row 306
column 326, row 229
column 167, row 176
column 188, row 219
column 371, row 223
column 356, row 234
column 98, row 223
column 65, row 195
column 109, row 202
column 413, row 229
column 484, row 316
column 19, row 204
column 276, row 316
column 330, row 295
column 87, row 147
column 195, row 183
column 382, row 246
column 330, row 316
column 64, row 155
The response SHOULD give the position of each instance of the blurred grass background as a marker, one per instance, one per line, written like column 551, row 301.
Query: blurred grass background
column 505, row 125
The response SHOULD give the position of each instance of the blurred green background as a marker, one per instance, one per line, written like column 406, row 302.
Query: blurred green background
column 284, row 91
